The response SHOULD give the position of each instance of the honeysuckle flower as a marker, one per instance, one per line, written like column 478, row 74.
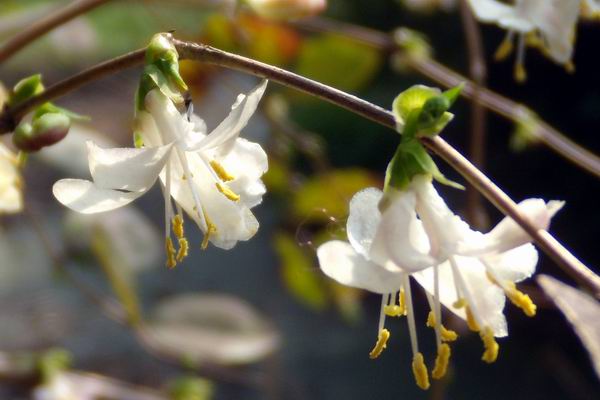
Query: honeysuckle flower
column 415, row 234
column 214, row 178
column 11, row 184
column 287, row 9
column 546, row 24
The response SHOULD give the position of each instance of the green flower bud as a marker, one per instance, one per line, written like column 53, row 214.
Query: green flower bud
column 48, row 129
column 53, row 362
column 26, row 88
column 162, row 53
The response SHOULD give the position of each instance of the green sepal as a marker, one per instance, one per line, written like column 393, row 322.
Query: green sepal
column 152, row 78
column 25, row 89
column 162, row 53
column 49, row 108
column 191, row 388
column 412, row 159
column 52, row 362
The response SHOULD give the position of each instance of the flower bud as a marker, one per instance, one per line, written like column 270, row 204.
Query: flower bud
column 26, row 88
column 44, row 131
column 287, row 9
column 162, row 53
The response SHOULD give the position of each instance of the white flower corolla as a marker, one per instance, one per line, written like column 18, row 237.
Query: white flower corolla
column 59, row 388
column 547, row 24
column 416, row 235
column 214, row 178
column 11, row 184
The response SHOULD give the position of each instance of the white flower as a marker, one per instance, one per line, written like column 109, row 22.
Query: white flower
column 59, row 388
column 11, row 186
column 287, row 9
column 214, row 178
column 417, row 235
column 547, row 24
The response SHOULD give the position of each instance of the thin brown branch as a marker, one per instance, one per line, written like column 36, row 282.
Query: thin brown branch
column 44, row 25
column 510, row 109
column 199, row 52
column 476, row 214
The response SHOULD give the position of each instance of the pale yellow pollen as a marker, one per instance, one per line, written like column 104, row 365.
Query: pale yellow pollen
column 183, row 249
column 381, row 344
column 210, row 230
column 520, row 73
column 393, row 311
column 221, row 172
column 230, row 194
column 491, row 346
column 447, row 335
column 520, row 299
column 504, row 49
column 171, row 261
column 420, row 371
column 471, row 323
column 178, row 226
column 441, row 362
column 460, row 303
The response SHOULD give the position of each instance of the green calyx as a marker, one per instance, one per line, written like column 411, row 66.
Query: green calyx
column 53, row 362
column 25, row 89
column 191, row 388
column 161, row 71
column 420, row 111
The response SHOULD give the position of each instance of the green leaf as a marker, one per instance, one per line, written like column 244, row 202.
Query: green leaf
column 340, row 53
column 298, row 273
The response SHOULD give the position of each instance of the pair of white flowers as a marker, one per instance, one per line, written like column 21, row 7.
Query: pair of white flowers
column 549, row 25
column 414, row 234
column 213, row 177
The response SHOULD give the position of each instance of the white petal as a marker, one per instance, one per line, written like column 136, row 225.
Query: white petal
column 172, row 126
column 241, row 112
column 364, row 219
column 145, row 125
column 445, row 229
column 508, row 234
column 516, row 264
column 126, row 168
column 11, row 199
column 401, row 237
column 489, row 299
column 339, row 261
column 84, row 197
column 556, row 21
column 246, row 162
column 490, row 10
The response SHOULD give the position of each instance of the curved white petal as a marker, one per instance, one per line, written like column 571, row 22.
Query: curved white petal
column 195, row 135
column 516, row 264
column 230, row 127
column 146, row 127
column 490, row 10
column 401, row 241
column 126, row 168
column 364, row 219
column 508, row 234
column 246, row 162
column 172, row 126
column 339, row 261
column 445, row 229
column 489, row 299
column 84, row 197
column 556, row 21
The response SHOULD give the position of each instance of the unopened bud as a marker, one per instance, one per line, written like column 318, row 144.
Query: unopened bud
column 26, row 88
column 162, row 53
column 287, row 9
column 44, row 131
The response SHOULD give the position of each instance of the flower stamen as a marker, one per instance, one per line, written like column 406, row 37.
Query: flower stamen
column 170, row 249
column 441, row 361
column 381, row 344
column 227, row 192
column 505, row 48
column 491, row 346
column 420, row 371
column 220, row 171
column 518, row 298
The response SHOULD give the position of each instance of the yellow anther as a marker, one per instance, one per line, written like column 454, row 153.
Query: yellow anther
column 471, row 323
column 392, row 311
column 210, row 230
column 171, row 262
column 504, row 49
column 520, row 300
column 491, row 346
column 183, row 249
column 178, row 226
column 230, row 194
column 520, row 73
column 441, row 362
column 420, row 371
column 447, row 335
column 402, row 302
column 460, row 303
column 381, row 344
column 570, row 67
column 221, row 172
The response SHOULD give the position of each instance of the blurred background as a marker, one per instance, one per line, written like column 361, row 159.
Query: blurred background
column 261, row 321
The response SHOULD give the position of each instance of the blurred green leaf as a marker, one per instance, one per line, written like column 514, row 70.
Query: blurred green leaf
column 338, row 61
column 298, row 273
column 327, row 195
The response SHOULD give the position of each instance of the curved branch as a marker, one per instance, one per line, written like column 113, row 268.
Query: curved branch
column 199, row 52
column 22, row 39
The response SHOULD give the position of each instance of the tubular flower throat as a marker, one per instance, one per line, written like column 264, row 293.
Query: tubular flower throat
column 213, row 178
column 414, row 234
